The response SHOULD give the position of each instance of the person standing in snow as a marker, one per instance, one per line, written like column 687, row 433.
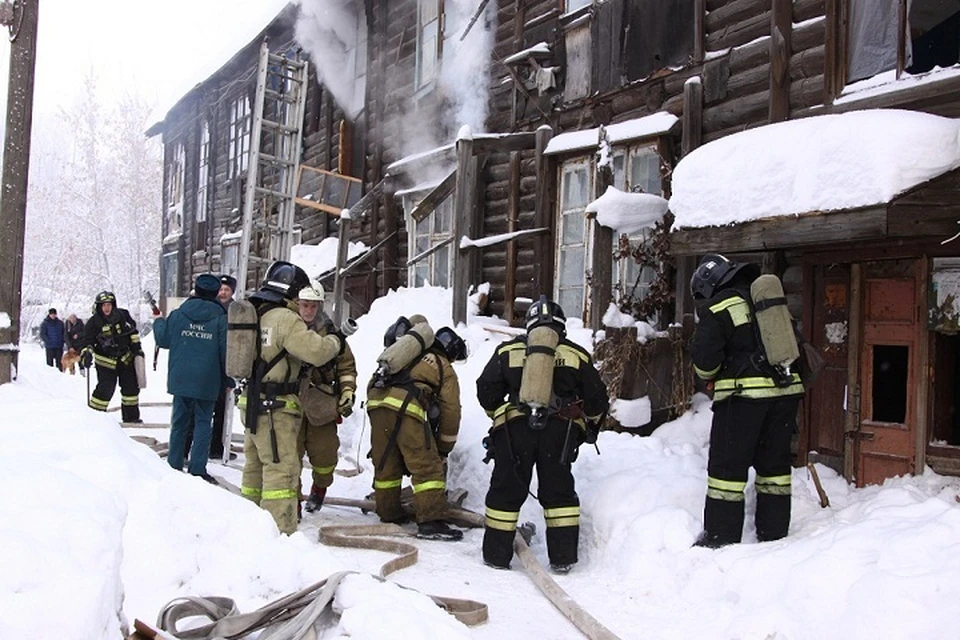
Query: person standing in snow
column 271, row 474
column 74, row 336
column 228, row 284
column 414, row 409
column 326, row 395
column 196, row 335
column 753, row 418
column 111, row 342
column 53, row 334
column 545, row 434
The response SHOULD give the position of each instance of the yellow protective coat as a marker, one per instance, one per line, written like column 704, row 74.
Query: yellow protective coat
column 274, row 485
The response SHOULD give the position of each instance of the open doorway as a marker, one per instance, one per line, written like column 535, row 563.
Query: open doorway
column 945, row 421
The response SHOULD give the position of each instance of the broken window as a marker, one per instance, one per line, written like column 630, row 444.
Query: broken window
column 900, row 35
column 429, row 41
column 576, row 191
column 239, row 145
column 431, row 243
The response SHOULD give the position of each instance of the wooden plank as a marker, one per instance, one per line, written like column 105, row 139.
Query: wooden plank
column 699, row 30
column 733, row 13
column 599, row 295
column 851, row 423
column 781, row 29
column 543, row 215
column 391, row 228
column 924, row 428
column 433, row 199
column 783, row 232
column 739, row 33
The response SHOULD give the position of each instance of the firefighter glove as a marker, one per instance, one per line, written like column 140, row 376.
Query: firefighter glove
column 86, row 358
column 345, row 405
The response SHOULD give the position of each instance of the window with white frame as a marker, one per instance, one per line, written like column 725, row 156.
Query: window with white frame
column 573, row 241
column 635, row 169
column 431, row 243
column 230, row 257
column 429, row 40
column 203, row 175
column 573, row 5
column 175, row 185
column 359, row 62
column 239, row 144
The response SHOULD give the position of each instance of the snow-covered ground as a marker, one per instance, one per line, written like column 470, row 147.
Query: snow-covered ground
column 96, row 530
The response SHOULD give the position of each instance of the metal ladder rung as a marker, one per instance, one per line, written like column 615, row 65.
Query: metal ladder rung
column 283, row 77
column 271, row 192
column 283, row 128
column 253, row 258
column 266, row 157
column 283, row 97
column 278, row 59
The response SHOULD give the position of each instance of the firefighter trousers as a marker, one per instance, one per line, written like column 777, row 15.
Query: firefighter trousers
column 749, row 433
column 129, row 390
column 517, row 450
column 321, row 444
column 271, row 473
column 413, row 451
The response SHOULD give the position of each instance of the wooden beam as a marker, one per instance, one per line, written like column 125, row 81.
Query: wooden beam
column 391, row 228
column 505, row 143
column 463, row 225
column 692, row 116
column 600, row 286
column 781, row 30
column 363, row 205
column 513, row 217
column 851, row 424
column 433, row 199
column 924, row 432
column 783, row 232
column 543, row 283
column 699, row 35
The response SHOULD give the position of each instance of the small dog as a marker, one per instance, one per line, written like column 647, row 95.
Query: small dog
column 70, row 360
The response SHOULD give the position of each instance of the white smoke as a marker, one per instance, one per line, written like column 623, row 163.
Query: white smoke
column 465, row 68
column 328, row 30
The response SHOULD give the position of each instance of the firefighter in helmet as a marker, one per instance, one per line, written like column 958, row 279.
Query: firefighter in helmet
column 111, row 342
column 327, row 395
column 545, row 398
column 269, row 406
column 754, row 417
column 414, row 406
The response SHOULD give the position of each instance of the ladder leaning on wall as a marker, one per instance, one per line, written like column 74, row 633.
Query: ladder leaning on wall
column 275, row 140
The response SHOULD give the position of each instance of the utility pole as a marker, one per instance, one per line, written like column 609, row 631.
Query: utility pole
column 20, row 17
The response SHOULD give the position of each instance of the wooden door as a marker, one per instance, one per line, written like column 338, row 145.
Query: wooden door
column 886, row 443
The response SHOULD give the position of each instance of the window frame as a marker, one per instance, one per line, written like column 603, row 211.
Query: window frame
column 421, row 82
column 434, row 238
column 176, row 184
column 202, row 210
column 587, row 164
column 238, row 142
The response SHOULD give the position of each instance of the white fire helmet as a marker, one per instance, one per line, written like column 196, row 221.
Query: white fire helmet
column 312, row 292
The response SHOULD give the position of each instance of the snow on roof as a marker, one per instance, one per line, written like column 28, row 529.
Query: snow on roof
column 652, row 125
column 821, row 163
column 627, row 212
column 539, row 49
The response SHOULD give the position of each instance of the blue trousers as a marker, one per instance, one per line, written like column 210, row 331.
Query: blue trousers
column 191, row 414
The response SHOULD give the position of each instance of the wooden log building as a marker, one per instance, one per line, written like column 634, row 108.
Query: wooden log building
column 581, row 96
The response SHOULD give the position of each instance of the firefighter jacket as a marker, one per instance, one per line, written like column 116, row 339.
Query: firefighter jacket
column 114, row 338
column 427, row 390
column 340, row 373
column 725, row 349
column 282, row 330
column 579, row 393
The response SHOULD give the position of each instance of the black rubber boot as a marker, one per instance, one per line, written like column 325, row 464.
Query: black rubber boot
column 438, row 530
column 315, row 500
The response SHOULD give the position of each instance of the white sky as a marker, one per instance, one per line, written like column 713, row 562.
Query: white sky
column 163, row 48
column 93, row 523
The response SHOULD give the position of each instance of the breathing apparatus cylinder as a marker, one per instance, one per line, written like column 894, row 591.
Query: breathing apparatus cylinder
column 348, row 327
column 536, row 382
column 242, row 337
column 773, row 321
column 406, row 349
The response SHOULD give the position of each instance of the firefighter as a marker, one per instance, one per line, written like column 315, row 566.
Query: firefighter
column 414, row 409
column 327, row 395
column 271, row 473
column 545, row 398
column 753, row 418
column 111, row 342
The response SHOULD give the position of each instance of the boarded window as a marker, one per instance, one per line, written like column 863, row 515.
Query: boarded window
column 874, row 26
column 578, row 63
